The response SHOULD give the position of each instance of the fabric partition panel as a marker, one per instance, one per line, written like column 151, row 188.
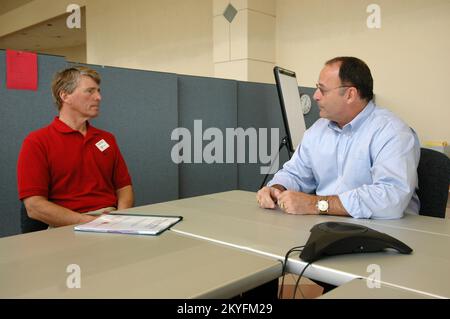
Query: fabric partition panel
column 21, row 111
column 211, row 103
column 258, row 108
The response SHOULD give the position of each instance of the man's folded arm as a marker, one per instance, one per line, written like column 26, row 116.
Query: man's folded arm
column 39, row 208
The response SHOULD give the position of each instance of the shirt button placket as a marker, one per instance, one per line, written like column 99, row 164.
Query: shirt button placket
column 340, row 154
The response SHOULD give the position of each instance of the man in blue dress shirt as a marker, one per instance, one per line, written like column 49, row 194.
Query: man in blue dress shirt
column 357, row 160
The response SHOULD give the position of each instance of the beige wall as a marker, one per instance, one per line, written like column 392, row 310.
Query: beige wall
column 409, row 55
column 72, row 54
column 160, row 35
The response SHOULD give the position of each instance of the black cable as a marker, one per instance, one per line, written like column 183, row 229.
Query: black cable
column 283, row 272
column 298, row 281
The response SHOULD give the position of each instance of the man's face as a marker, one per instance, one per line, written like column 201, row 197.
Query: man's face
column 329, row 95
column 85, row 99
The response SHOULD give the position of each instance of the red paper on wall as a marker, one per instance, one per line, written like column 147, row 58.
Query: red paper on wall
column 21, row 70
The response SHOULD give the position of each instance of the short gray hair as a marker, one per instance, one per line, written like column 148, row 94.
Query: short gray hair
column 67, row 80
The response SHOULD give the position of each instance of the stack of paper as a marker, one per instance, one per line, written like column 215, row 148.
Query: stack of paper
column 130, row 224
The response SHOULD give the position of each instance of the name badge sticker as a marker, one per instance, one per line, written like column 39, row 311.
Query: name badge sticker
column 102, row 145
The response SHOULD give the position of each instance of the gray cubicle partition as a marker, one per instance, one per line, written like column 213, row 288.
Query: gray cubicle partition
column 256, row 110
column 21, row 112
column 214, row 103
column 142, row 109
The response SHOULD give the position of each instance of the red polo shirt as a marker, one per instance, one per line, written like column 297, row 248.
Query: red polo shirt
column 69, row 169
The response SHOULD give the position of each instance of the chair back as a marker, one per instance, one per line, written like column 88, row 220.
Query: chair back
column 434, row 179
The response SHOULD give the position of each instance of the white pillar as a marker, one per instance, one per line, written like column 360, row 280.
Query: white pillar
column 244, row 39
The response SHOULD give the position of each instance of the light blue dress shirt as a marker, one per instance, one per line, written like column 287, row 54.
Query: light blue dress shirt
column 371, row 164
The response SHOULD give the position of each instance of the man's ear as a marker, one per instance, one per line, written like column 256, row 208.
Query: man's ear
column 352, row 94
column 64, row 96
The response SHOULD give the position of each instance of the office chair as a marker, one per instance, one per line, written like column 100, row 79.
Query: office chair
column 27, row 224
column 434, row 179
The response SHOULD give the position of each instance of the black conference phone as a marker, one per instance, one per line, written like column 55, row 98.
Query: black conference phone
column 335, row 238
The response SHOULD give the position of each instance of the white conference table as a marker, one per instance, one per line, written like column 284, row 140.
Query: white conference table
column 233, row 219
column 425, row 224
column 113, row 266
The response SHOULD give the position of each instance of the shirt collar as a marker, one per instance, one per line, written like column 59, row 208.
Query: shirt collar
column 356, row 123
column 62, row 127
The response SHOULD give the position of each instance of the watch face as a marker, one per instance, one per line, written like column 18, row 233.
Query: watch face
column 322, row 205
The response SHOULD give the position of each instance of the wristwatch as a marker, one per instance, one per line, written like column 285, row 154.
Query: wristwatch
column 322, row 206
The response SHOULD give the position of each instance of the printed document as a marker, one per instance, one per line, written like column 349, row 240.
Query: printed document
column 130, row 224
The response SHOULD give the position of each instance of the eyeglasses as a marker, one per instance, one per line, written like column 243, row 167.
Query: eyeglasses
column 325, row 91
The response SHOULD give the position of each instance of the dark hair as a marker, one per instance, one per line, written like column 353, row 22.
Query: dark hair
column 355, row 72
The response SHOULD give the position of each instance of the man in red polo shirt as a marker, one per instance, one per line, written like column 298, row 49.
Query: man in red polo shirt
column 70, row 167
